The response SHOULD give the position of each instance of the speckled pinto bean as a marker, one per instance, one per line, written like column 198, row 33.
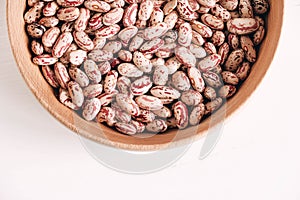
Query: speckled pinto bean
column 145, row 66
column 185, row 57
column 62, row 44
column 65, row 99
column 185, row 34
column 50, row 76
column 70, row 3
column 107, row 115
column 242, row 26
column 130, row 15
column 148, row 102
column 141, row 86
column 91, row 108
column 165, row 92
column 181, row 114
column 127, row 104
column 197, row 114
column 76, row 93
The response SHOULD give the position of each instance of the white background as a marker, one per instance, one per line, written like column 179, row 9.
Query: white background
column 256, row 158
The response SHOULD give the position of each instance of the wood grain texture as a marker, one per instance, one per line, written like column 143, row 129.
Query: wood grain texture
column 108, row 136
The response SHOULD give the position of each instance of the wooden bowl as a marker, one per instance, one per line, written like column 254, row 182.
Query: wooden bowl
column 108, row 136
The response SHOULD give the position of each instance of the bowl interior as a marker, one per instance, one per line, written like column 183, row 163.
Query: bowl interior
column 108, row 136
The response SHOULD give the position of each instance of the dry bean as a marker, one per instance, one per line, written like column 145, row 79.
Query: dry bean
column 91, row 108
column 197, row 114
column 157, row 126
column 145, row 116
column 165, row 92
column 149, row 102
column 181, row 114
column 106, row 114
column 160, row 75
column 227, row 91
column 141, row 86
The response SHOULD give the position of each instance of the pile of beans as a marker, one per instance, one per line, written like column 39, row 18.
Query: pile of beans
column 145, row 65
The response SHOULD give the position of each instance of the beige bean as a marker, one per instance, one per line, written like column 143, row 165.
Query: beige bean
column 92, row 71
column 49, row 21
column 98, row 55
column 62, row 75
column 209, row 63
column 62, row 44
column 245, row 9
column 181, row 81
column 196, row 79
column 202, row 29
column 229, row 4
column 243, row 71
column 92, row 90
column 157, row 126
column 185, row 34
column 141, row 86
column 106, row 114
column 160, row 75
column 130, row 15
column 230, row 78
column 139, row 126
column 50, row 76
column 197, row 114
column 77, row 57
column 210, row 93
column 127, row 104
column 234, row 59
column 113, row 16
column 181, row 114
column 191, row 98
column 44, row 59
column 141, row 62
column 173, row 65
column 157, row 16
column 82, row 21
column 107, row 98
column 34, row 13
column 97, row 5
column 164, row 112
column 242, row 26
column 220, row 12
column 129, row 70
column 185, row 56
column 165, row 92
column 212, row 21
column 68, row 14
column 91, row 108
column 79, row 76
column 227, row 91
column 145, row 116
column 110, row 81
column 148, row 102
column 146, row 8
column 258, row 36
column 213, row 105
column 65, row 99
column 35, row 30
column 212, row 79
column 248, row 47
column 125, row 128
column 76, row 93
column 37, row 48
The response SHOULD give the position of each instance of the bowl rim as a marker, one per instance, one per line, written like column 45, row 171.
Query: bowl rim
column 111, row 137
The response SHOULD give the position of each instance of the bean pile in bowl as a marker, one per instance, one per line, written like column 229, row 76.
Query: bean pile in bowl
column 145, row 65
